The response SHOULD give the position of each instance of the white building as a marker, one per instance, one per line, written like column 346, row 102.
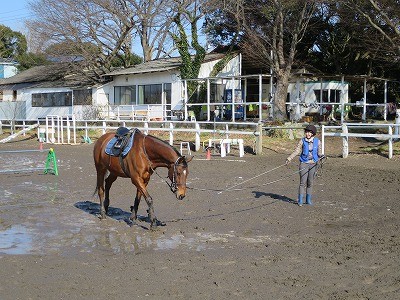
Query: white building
column 8, row 68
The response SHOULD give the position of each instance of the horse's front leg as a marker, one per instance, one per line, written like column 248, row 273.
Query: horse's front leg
column 135, row 207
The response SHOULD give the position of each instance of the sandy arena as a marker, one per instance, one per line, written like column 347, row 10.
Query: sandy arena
column 252, row 242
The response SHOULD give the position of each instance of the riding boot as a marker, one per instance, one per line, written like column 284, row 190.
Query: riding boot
column 308, row 199
column 300, row 202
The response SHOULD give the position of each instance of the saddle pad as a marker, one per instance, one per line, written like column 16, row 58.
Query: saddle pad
column 110, row 146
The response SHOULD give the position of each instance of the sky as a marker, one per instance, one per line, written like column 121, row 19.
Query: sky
column 13, row 13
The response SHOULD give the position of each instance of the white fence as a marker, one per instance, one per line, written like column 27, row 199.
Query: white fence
column 343, row 132
column 56, row 126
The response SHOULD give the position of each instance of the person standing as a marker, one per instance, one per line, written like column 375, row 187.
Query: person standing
column 310, row 151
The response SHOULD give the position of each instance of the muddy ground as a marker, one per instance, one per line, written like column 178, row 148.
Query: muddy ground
column 252, row 242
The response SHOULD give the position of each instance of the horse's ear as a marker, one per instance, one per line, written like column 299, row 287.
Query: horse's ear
column 188, row 158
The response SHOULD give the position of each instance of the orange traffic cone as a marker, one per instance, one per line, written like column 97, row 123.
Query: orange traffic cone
column 41, row 146
column 208, row 156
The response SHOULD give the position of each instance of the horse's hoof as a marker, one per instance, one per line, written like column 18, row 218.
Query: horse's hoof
column 160, row 223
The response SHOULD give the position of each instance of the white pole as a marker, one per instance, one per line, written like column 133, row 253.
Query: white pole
column 385, row 101
column 171, row 133
column 185, row 101
column 345, row 132
column 260, row 97
column 364, row 115
column 342, row 102
column 208, row 99
column 323, row 139
column 396, row 130
column 390, row 142
column 197, row 138
column 233, row 99
column 74, row 127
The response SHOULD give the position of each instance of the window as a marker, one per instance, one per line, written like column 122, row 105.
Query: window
column 82, row 97
column 334, row 95
column 52, row 99
column 167, row 90
column 150, row 94
column 124, row 95
column 14, row 98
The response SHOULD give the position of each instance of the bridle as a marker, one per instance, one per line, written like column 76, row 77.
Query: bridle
column 173, row 186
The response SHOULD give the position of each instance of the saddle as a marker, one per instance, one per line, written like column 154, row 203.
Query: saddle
column 121, row 143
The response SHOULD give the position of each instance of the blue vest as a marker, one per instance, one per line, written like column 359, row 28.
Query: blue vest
column 304, row 154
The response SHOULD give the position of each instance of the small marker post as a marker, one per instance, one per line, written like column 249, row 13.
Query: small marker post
column 51, row 158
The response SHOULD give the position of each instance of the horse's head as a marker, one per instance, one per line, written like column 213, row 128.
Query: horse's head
column 177, row 173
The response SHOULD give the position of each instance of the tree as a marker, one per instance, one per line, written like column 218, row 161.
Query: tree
column 188, row 13
column 384, row 17
column 29, row 60
column 269, row 33
column 86, row 29
column 12, row 43
column 152, row 20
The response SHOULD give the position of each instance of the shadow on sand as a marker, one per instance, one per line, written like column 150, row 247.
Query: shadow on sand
column 113, row 213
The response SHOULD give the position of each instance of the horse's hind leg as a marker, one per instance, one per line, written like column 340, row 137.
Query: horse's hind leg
column 109, row 181
column 100, row 190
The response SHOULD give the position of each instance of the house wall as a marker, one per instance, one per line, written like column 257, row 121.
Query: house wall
column 304, row 91
column 7, row 70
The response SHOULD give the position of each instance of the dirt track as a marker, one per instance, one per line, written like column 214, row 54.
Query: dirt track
column 252, row 243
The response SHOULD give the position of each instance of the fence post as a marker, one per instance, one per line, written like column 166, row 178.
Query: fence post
column 146, row 126
column 258, row 134
column 345, row 132
column 197, row 139
column 390, row 131
column 171, row 133
column 396, row 129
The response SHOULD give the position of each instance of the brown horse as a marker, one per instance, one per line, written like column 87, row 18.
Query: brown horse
column 147, row 154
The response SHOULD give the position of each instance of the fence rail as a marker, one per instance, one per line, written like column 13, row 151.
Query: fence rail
column 57, row 127
column 343, row 132
column 217, row 129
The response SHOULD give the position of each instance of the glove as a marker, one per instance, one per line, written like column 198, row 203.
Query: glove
column 287, row 162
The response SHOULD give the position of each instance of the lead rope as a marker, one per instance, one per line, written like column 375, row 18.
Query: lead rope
column 318, row 165
column 230, row 188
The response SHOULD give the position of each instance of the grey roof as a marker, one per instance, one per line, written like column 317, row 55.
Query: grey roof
column 159, row 65
column 46, row 76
